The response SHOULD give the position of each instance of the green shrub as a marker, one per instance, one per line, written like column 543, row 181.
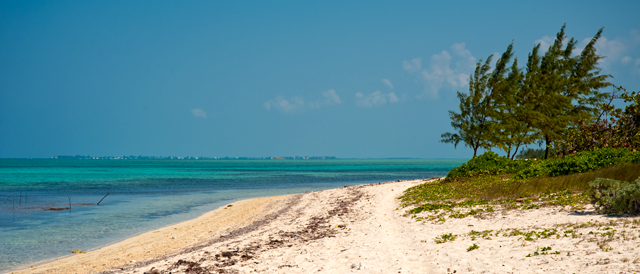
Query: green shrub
column 489, row 163
column 613, row 197
column 574, row 183
column 580, row 162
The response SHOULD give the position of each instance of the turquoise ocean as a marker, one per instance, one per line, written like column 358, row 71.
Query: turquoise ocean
column 36, row 194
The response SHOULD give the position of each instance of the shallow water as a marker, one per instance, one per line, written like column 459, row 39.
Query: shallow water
column 149, row 194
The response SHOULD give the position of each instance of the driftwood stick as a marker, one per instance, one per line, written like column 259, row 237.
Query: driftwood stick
column 103, row 198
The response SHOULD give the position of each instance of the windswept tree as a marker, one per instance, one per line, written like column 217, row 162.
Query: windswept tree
column 512, row 128
column 586, row 80
column 473, row 123
column 565, row 88
column 509, row 107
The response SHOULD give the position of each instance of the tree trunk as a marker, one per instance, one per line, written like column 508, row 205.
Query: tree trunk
column 514, row 152
column 546, row 149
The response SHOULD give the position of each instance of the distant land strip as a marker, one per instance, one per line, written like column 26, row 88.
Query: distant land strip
column 140, row 157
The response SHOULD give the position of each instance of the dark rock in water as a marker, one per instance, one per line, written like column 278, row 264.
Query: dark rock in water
column 57, row 209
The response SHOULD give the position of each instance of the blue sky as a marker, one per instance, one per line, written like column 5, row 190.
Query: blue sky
column 268, row 78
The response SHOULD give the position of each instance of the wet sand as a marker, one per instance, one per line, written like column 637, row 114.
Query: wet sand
column 168, row 240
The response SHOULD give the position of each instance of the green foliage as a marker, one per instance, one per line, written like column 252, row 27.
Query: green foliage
column 613, row 197
column 543, row 251
column 512, row 127
column 621, row 130
column 473, row 123
column 473, row 247
column 509, row 107
column 580, row 162
column 565, row 88
column 476, row 196
column 489, row 163
column 443, row 195
column 445, row 237
column 484, row 234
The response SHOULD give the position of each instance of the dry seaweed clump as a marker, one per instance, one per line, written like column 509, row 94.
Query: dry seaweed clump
column 232, row 253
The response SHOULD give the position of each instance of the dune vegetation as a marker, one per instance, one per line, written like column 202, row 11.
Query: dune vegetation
column 590, row 149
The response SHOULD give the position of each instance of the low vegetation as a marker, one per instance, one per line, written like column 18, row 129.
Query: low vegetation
column 558, row 101
column 600, row 233
column 491, row 163
column 490, row 181
column 509, row 107
column 580, row 162
column 613, row 197
column 589, row 151
column 445, row 238
column 473, row 247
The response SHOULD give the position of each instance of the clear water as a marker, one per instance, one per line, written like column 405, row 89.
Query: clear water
column 149, row 194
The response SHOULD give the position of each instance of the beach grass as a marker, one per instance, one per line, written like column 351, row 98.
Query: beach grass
column 576, row 182
column 478, row 195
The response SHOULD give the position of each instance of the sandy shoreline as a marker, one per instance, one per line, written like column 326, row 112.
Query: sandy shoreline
column 163, row 241
column 360, row 229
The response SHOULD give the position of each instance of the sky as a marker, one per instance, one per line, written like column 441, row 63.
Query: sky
column 352, row 79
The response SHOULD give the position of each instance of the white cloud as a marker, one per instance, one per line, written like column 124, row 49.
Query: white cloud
column 612, row 50
column 375, row 99
column 332, row 97
column 393, row 98
column 387, row 83
column 466, row 59
column 413, row 65
column 199, row 113
column 446, row 70
column 284, row 105
column 619, row 53
column 296, row 103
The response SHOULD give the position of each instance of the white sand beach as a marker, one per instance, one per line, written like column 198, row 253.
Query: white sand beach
column 360, row 229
